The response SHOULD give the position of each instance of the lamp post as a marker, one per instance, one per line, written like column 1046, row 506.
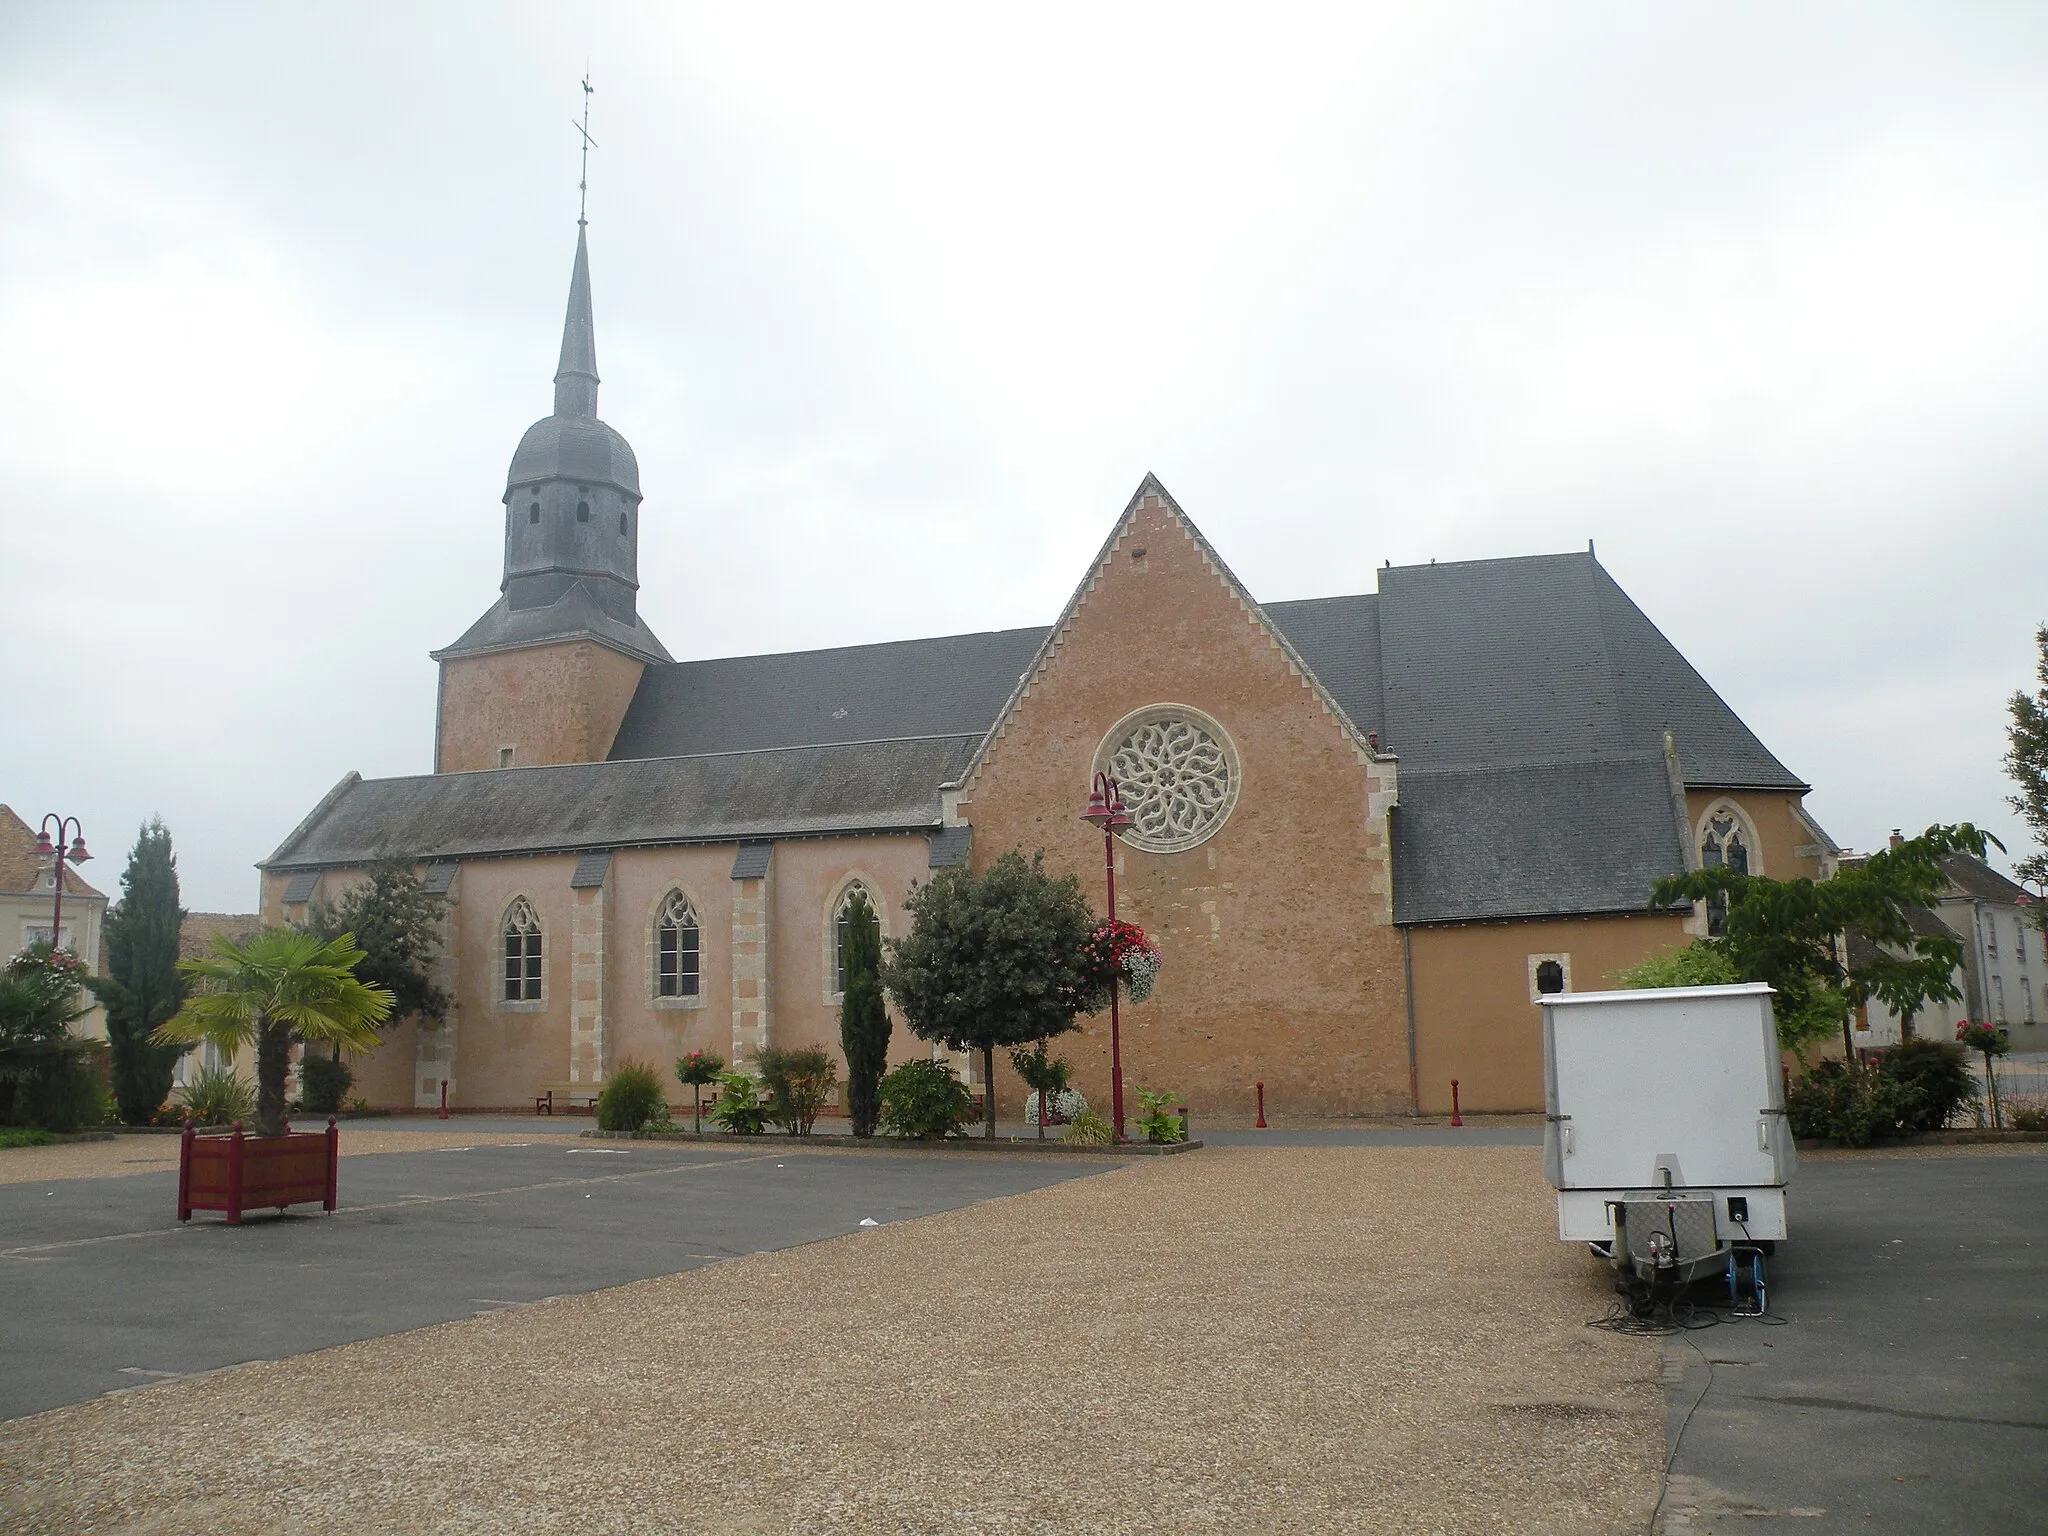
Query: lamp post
column 54, row 856
column 1106, row 810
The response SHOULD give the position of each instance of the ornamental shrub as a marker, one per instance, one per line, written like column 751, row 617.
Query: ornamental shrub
column 924, row 1101
column 1850, row 1106
column 46, row 1078
column 324, row 1082
column 1090, row 1130
column 2027, row 1114
column 632, row 1097
column 739, row 1109
column 1157, row 1119
column 215, row 1096
column 1939, row 1072
column 799, row 1082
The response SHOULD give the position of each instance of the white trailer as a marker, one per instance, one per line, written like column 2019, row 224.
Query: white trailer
column 1665, row 1125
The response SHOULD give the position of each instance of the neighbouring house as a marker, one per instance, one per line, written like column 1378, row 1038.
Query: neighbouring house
column 1370, row 830
column 2004, row 972
column 27, row 890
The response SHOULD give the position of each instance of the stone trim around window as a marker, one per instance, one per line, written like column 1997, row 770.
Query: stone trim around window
column 1178, row 772
column 829, row 930
column 500, row 1002
column 1562, row 959
column 1724, row 808
column 654, row 997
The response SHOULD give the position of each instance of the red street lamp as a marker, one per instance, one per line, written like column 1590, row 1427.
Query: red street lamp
column 1106, row 810
column 54, row 856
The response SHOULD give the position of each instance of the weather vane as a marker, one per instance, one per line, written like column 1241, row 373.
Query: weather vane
column 583, row 180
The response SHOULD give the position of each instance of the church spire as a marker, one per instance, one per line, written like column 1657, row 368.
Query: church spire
column 576, row 375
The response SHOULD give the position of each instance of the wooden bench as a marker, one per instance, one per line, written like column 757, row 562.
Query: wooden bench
column 568, row 1096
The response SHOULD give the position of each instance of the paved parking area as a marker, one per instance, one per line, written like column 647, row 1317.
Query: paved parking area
column 1909, row 1390
column 105, row 1290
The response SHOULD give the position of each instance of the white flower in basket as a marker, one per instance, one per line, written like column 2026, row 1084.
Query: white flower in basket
column 1141, row 971
column 1059, row 1109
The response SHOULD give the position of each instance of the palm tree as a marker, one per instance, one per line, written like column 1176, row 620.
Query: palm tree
column 281, row 983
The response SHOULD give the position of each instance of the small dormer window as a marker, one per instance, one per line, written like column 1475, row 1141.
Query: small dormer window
column 582, row 511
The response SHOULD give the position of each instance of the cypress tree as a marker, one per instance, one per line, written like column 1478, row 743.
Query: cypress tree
column 863, row 1019
column 142, row 987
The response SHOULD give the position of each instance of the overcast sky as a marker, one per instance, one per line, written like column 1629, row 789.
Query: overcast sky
column 898, row 305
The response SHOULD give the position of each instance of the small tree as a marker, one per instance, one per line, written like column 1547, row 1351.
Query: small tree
column 279, row 984
column 142, row 987
column 1788, row 933
column 864, row 1026
column 2027, row 761
column 1044, row 1074
column 994, row 959
column 693, row 1072
column 396, row 922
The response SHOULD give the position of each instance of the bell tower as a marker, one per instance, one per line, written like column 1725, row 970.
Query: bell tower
column 546, row 674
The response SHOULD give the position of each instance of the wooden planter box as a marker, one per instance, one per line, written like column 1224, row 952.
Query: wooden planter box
column 237, row 1173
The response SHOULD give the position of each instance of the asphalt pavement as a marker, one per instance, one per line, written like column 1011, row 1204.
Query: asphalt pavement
column 105, row 1290
column 1907, row 1390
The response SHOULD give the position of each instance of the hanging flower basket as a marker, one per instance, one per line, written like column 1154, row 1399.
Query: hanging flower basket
column 1119, row 952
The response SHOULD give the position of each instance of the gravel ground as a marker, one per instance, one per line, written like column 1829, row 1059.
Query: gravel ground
column 151, row 1154
column 1298, row 1339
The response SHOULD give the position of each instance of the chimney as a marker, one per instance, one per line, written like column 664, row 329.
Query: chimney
column 1896, row 838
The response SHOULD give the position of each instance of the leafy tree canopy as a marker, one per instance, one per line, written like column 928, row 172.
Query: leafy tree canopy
column 994, row 959
column 2027, row 761
column 1787, row 932
column 396, row 922
column 1700, row 964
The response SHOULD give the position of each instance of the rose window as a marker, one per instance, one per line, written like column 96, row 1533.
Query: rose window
column 1177, row 771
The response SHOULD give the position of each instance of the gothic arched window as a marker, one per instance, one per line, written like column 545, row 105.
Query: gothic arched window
column 842, row 919
column 678, row 948
column 1722, row 844
column 522, row 953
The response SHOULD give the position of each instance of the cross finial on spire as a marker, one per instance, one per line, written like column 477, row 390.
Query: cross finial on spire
column 583, row 179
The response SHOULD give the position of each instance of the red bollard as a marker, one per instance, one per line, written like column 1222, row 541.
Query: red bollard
column 1262, row 1106
column 444, row 1098
column 1456, row 1118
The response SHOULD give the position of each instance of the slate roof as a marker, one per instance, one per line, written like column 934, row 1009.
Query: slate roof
column 590, row 870
column 1973, row 877
column 950, row 686
column 580, row 807
column 575, row 615
column 1525, row 699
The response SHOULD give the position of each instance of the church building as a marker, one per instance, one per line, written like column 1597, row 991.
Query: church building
column 1369, row 831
